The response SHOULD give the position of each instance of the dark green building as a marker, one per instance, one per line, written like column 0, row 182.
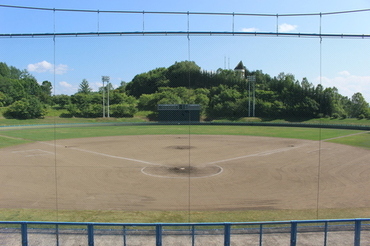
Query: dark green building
column 179, row 112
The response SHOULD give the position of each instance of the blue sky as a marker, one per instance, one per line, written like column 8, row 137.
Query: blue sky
column 345, row 63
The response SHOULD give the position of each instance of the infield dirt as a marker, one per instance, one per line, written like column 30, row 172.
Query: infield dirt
column 184, row 172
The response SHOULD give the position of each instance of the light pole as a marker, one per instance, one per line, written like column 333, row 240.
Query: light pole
column 108, row 85
column 251, row 79
column 105, row 79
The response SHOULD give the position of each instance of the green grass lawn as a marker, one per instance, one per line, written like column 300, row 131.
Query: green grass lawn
column 348, row 121
column 55, row 116
column 178, row 216
column 51, row 133
column 59, row 120
column 362, row 140
column 6, row 141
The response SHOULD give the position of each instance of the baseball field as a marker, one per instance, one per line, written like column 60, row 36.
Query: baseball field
column 183, row 173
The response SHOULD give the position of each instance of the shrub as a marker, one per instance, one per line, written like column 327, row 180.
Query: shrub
column 85, row 111
column 123, row 110
column 335, row 116
column 26, row 108
column 361, row 116
column 73, row 110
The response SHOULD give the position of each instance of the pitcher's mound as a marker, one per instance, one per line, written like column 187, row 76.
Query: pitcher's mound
column 182, row 171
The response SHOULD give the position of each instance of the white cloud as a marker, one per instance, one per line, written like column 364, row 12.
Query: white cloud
column 61, row 69
column 65, row 88
column 250, row 29
column 65, row 84
column 96, row 85
column 348, row 84
column 287, row 27
column 44, row 66
column 40, row 67
column 344, row 73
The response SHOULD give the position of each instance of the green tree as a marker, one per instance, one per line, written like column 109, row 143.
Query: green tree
column 123, row 110
column 201, row 98
column 118, row 98
column 183, row 73
column 46, row 91
column 61, row 100
column 4, row 70
column 122, row 87
column 3, row 99
column 47, row 87
column 147, row 83
column 359, row 107
column 225, row 102
column 85, row 105
column 148, row 102
column 84, row 87
column 15, row 73
column 30, row 86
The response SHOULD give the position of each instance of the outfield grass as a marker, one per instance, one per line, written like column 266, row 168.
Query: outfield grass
column 8, row 141
column 362, row 140
column 329, row 121
column 55, row 116
column 47, row 134
column 52, row 133
column 59, row 120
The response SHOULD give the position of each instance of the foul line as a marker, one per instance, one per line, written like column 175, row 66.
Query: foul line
column 358, row 133
column 270, row 152
column 116, row 157
column 4, row 136
column 106, row 155
column 257, row 154
column 34, row 151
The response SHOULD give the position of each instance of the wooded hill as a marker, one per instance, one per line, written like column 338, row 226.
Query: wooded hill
column 221, row 94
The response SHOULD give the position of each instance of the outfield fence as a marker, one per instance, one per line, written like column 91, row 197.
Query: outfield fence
column 308, row 232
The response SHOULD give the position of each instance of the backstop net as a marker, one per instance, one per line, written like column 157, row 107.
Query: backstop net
column 134, row 116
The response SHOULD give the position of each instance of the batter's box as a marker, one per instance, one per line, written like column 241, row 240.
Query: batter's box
column 33, row 152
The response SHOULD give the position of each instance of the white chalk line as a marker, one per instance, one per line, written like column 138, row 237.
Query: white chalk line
column 358, row 133
column 115, row 157
column 317, row 150
column 264, row 153
column 36, row 152
column 106, row 155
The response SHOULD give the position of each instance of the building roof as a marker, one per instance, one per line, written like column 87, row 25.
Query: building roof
column 240, row 66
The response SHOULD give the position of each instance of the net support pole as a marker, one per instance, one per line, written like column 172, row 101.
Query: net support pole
column 24, row 234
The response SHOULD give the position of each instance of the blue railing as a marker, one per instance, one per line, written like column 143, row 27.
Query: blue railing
column 307, row 232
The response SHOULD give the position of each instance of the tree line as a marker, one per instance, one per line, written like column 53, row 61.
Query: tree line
column 223, row 93
column 22, row 94
column 226, row 94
